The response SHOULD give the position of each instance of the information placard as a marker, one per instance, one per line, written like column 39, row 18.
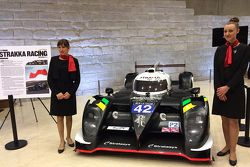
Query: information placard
column 24, row 70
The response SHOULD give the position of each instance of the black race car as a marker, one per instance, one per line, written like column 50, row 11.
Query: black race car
column 151, row 115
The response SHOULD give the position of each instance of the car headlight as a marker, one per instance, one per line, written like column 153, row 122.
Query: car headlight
column 195, row 125
column 91, row 121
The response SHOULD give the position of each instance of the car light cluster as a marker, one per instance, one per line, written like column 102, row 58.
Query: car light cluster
column 195, row 124
column 91, row 121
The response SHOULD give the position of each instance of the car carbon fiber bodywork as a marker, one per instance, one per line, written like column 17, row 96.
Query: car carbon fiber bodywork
column 155, row 117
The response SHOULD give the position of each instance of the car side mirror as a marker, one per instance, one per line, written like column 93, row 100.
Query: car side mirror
column 109, row 91
column 195, row 91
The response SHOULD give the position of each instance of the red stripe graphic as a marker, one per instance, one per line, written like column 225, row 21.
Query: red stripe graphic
column 38, row 72
column 147, row 152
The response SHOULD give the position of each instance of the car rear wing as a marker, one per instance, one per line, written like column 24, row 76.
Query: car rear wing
column 159, row 65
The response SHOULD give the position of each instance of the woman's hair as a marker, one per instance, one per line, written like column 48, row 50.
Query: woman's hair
column 63, row 42
column 235, row 21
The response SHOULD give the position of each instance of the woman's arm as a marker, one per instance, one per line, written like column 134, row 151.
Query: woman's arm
column 241, row 70
column 217, row 82
column 77, row 80
column 51, row 78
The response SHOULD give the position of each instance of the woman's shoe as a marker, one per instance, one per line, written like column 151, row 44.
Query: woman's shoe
column 61, row 150
column 232, row 162
column 220, row 153
column 71, row 144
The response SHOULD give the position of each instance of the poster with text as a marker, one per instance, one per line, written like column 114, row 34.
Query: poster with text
column 23, row 71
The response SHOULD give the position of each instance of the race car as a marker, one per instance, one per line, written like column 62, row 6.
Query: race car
column 151, row 115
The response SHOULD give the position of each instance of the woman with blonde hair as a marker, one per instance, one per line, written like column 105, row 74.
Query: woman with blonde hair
column 230, row 63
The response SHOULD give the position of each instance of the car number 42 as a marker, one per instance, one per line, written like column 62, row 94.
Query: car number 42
column 142, row 108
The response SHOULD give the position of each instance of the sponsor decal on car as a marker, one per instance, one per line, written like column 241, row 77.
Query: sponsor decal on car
column 118, row 128
column 116, row 143
column 170, row 130
column 163, row 116
column 161, row 146
column 150, row 77
column 140, row 120
column 188, row 107
column 103, row 104
column 173, row 127
column 143, row 108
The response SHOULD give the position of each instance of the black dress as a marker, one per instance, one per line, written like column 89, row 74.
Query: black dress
column 60, row 80
column 232, row 76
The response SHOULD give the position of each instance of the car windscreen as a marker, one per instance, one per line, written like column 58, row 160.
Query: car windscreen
column 150, row 86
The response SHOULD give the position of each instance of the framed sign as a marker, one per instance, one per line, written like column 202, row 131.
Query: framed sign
column 23, row 71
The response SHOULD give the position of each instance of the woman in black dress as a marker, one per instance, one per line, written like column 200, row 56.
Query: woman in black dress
column 63, row 80
column 230, row 63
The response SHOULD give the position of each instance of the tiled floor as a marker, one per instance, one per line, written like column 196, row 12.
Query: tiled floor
column 43, row 141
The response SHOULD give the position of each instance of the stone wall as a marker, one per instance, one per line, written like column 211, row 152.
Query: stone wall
column 108, row 36
column 220, row 7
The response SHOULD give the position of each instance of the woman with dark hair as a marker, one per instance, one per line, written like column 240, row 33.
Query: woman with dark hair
column 230, row 63
column 63, row 80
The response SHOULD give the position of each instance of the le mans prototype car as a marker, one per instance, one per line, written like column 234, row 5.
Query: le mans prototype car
column 151, row 115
